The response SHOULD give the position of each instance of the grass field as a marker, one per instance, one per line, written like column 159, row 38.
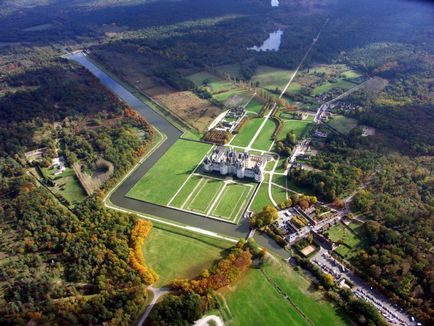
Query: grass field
column 233, row 201
column 264, row 140
column 254, row 106
column 213, row 197
column 162, row 181
column 175, row 255
column 304, row 305
column 261, row 199
column 203, row 195
column 247, row 132
column 271, row 78
column 298, row 126
column 342, row 123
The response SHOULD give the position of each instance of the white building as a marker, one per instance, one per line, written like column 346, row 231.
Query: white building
column 227, row 161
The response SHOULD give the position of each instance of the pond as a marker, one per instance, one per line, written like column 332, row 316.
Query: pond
column 272, row 43
column 274, row 3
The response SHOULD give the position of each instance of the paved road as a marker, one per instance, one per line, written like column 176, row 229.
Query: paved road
column 158, row 293
column 118, row 197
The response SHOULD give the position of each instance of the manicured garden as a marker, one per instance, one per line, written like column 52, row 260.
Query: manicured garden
column 347, row 237
column 233, row 201
column 164, row 179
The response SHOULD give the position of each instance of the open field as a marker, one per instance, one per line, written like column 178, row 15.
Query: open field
column 264, row 140
column 214, row 197
column 254, row 106
column 162, row 181
column 271, row 78
column 246, row 309
column 301, row 307
column 298, row 126
column 247, row 132
column 175, row 255
column 342, row 123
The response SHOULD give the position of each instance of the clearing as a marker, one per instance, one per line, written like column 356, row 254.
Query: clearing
column 342, row 124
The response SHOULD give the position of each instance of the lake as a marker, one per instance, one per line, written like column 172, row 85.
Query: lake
column 272, row 43
column 274, row 3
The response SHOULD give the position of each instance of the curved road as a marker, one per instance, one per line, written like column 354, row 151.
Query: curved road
column 118, row 197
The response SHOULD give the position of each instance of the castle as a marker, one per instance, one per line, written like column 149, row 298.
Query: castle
column 227, row 161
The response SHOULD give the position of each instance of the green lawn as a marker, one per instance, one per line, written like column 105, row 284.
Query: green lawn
column 204, row 195
column 264, row 140
column 272, row 78
column 254, row 300
column 342, row 123
column 279, row 194
column 298, row 126
column 261, row 199
column 300, row 290
column 233, row 201
column 175, row 255
column 254, row 106
column 191, row 185
column 164, row 179
column 247, row 132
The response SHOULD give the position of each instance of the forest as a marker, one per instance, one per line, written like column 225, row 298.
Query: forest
column 60, row 263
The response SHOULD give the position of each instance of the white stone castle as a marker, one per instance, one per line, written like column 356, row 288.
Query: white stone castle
column 227, row 161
